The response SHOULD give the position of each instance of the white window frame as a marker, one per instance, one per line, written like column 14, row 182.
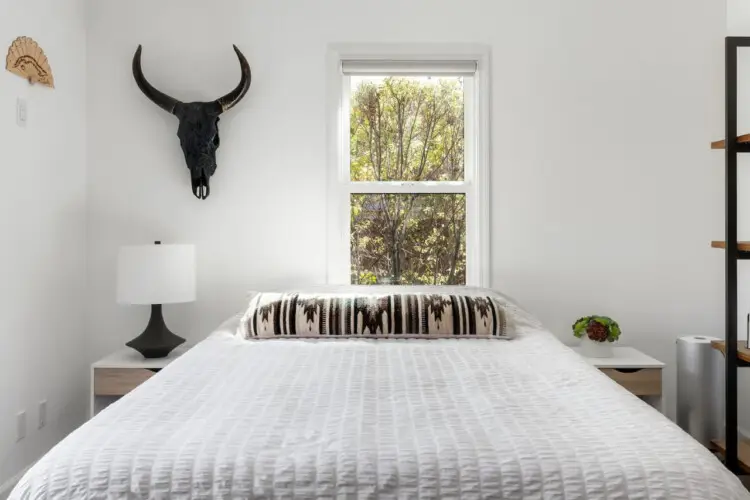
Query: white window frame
column 476, row 157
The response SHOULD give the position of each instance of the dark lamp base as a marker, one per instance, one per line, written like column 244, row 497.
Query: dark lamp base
column 156, row 341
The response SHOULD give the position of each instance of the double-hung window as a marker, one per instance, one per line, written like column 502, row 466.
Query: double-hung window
column 409, row 186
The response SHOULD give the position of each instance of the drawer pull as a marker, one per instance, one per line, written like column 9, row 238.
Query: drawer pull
column 628, row 370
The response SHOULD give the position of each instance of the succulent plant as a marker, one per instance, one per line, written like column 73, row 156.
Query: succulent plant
column 597, row 328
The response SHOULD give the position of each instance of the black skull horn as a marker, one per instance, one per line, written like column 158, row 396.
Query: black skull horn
column 159, row 98
column 198, row 130
column 228, row 101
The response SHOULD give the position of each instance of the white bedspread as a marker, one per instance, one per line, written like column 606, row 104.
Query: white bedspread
column 380, row 419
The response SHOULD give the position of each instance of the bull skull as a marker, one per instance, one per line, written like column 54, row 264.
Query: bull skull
column 199, row 123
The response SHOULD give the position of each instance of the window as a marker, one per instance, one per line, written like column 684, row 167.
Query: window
column 409, row 181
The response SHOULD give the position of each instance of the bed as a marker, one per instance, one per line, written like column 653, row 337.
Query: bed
column 519, row 419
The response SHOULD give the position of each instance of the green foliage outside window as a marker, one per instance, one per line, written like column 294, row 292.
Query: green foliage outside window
column 408, row 129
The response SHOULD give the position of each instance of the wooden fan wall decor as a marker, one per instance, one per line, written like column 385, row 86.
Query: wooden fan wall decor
column 27, row 60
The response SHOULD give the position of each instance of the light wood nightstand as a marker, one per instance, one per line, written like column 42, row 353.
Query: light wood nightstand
column 635, row 371
column 119, row 373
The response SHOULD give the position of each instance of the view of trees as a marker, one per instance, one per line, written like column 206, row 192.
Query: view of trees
column 408, row 129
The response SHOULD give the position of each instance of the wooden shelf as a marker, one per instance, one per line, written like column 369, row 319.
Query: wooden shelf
column 743, row 452
column 741, row 245
column 743, row 353
column 743, row 139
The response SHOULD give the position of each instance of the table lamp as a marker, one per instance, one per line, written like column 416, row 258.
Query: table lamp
column 155, row 275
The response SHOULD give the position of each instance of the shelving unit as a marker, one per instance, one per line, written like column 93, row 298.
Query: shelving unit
column 743, row 453
column 743, row 352
column 733, row 145
column 743, row 139
column 742, row 246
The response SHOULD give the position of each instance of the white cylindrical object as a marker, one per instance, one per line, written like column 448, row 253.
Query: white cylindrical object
column 700, row 388
column 156, row 274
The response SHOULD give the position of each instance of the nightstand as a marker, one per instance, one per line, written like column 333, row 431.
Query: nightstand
column 119, row 373
column 635, row 371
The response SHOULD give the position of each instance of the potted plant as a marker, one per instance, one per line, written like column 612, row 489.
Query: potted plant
column 597, row 334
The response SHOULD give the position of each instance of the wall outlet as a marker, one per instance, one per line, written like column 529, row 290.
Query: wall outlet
column 22, row 114
column 20, row 425
column 42, row 414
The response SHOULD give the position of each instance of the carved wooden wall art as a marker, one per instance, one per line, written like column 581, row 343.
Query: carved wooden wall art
column 27, row 60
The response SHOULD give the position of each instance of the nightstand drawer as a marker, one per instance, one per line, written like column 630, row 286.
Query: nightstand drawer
column 119, row 381
column 641, row 382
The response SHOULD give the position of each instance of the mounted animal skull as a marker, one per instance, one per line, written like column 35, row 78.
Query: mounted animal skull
column 199, row 122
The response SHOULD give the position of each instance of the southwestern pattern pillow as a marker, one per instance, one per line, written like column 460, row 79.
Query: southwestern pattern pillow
column 413, row 315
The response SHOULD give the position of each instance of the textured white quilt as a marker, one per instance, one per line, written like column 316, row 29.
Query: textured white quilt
column 520, row 419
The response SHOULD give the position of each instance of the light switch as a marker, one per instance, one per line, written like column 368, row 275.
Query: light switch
column 21, row 112
column 20, row 425
column 42, row 414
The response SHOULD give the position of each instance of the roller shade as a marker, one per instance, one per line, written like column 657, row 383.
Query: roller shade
column 408, row 68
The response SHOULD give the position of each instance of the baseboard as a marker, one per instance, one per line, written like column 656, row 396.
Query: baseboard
column 8, row 485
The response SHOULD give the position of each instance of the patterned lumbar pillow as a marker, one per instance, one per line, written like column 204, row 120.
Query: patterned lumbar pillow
column 415, row 315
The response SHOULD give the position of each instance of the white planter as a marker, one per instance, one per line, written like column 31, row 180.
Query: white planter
column 592, row 349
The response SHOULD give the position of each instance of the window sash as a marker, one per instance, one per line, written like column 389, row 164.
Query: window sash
column 465, row 187
column 475, row 185
column 427, row 187
column 470, row 139
column 474, row 275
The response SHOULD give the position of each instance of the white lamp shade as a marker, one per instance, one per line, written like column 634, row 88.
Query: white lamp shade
column 156, row 274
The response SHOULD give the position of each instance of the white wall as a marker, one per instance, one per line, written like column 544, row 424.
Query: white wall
column 604, row 192
column 42, row 255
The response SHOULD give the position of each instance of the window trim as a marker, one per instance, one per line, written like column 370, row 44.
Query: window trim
column 477, row 179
